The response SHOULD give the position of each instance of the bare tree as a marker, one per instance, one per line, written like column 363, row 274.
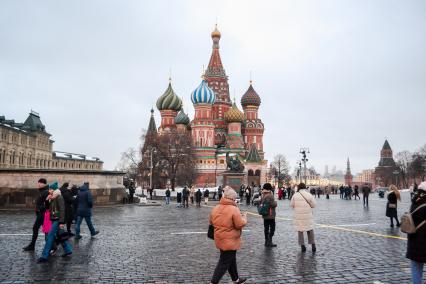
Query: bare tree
column 403, row 160
column 176, row 153
column 417, row 166
column 280, row 169
column 129, row 163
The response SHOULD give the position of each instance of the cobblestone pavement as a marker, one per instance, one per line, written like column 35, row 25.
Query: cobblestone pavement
column 169, row 245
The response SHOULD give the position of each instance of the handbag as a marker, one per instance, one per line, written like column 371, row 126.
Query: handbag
column 391, row 205
column 47, row 224
column 210, row 232
column 62, row 235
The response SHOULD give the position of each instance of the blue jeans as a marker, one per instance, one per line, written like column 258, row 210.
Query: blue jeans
column 417, row 272
column 167, row 199
column 89, row 224
column 51, row 238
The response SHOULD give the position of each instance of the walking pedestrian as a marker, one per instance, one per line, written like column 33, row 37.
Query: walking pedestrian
column 68, row 197
column 241, row 193
column 342, row 191
column 192, row 194
column 168, row 193
column 179, row 199
column 228, row 223
column 365, row 192
column 327, row 192
column 220, row 192
column 356, row 192
column 40, row 209
column 289, row 192
column 248, row 195
column 206, row 196
column 416, row 245
column 185, row 197
column 132, row 189
column 84, row 210
column 198, row 196
column 303, row 202
column 269, row 219
column 57, row 216
column 391, row 206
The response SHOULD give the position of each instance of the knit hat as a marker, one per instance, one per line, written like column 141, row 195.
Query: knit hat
column 422, row 186
column 54, row 185
column 42, row 180
column 267, row 186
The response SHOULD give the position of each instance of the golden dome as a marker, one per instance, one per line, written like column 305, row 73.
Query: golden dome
column 234, row 114
column 216, row 32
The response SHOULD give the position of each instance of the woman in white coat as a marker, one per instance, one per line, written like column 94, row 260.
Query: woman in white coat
column 303, row 203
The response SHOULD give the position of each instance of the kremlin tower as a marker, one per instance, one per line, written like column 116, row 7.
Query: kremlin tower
column 348, row 175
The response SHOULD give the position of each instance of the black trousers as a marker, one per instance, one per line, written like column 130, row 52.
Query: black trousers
column 36, row 227
column 227, row 262
column 365, row 199
column 185, row 202
column 269, row 227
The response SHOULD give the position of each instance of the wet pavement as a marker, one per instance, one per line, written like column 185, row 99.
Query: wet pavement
column 166, row 244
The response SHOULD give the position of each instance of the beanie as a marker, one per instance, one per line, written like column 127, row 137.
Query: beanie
column 54, row 185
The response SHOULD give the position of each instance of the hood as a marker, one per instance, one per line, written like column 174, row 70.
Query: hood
column 227, row 201
column 84, row 187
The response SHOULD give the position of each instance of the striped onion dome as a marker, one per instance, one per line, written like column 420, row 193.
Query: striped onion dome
column 182, row 118
column 250, row 98
column 234, row 114
column 169, row 100
column 203, row 94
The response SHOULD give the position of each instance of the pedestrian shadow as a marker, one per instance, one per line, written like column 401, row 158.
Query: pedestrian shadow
column 306, row 264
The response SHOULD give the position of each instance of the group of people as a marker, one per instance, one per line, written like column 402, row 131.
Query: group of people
column 56, row 209
column 183, row 197
column 228, row 222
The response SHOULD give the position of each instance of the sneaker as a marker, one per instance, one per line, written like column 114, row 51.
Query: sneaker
column 28, row 248
column 241, row 280
column 77, row 237
column 303, row 248
column 53, row 251
column 95, row 233
column 41, row 260
column 66, row 254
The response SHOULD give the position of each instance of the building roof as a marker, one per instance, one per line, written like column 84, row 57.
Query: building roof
column 203, row 94
column 250, row 97
column 253, row 155
column 77, row 157
column 169, row 100
column 31, row 124
column 386, row 145
column 182, row 118
column 152, row 127
column 234, row 114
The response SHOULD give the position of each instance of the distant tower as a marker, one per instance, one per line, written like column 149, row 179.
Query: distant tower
column 326, row 174
column 253, row 127
column 217, row 80
column 348, row 175
column 168, row 104
column 384, row 172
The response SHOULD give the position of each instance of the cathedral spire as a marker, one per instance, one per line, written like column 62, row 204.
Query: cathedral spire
column 215, row 68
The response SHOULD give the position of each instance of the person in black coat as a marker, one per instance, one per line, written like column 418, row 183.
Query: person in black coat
column 391, row 206
column 68, row 196
column 84, row 210
column 41, row 205
column 198, row 196
column 416, row 244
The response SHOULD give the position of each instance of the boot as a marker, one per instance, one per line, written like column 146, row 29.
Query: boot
column 303, row 248
column 29, row 247
column 270, row 243
column 314, row 248
column 266, row 240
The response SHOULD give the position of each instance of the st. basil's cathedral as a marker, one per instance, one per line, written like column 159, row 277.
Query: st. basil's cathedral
column 219, row 126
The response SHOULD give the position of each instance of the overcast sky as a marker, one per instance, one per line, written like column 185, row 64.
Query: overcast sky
column 335, row 76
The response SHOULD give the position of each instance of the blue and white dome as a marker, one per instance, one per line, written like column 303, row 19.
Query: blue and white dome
column 203, row 94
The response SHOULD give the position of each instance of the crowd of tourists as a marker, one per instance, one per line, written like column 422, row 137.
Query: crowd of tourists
column 56, row 209
column 227, row 222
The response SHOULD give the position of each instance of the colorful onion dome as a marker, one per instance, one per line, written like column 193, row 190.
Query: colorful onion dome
column 182, row 118
column 203, row 94
column 169, row 100
column 216, row 32
column 250, row 98
column 234, row 114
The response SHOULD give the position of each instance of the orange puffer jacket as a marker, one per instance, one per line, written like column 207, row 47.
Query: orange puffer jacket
column 228, row 223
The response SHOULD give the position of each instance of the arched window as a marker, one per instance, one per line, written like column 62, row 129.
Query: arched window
column 250, row 172
column 257, row 173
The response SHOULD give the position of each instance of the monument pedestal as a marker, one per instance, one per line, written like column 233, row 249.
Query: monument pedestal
column 233, row 179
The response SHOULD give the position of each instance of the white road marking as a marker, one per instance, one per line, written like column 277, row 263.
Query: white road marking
column 6, row 235
column 194, row 233
column 354, row 225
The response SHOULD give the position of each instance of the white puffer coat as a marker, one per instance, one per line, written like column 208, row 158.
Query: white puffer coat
column 303, row 217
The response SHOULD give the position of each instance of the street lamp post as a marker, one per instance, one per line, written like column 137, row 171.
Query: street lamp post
column 304, row 151
column 299, row 172
column 151, row 151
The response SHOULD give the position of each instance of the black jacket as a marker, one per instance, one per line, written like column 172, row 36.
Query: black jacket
column 198, row 195
column 69, row 203
column 41, row 203
column 206, row 193
column 416, row 245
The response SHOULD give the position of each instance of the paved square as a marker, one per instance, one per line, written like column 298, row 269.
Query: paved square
column 169, row 245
